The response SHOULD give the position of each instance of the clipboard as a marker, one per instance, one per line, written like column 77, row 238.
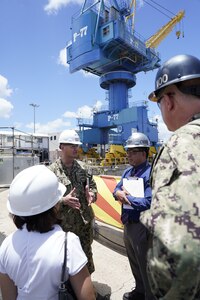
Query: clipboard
column 134, row 186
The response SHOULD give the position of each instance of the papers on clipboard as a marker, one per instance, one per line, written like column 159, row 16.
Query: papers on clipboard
column 134, row 186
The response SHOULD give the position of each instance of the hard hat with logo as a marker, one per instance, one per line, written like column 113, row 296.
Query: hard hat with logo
column 137, row 140
column 177, row 69
column 33, row 191
column 69, row 136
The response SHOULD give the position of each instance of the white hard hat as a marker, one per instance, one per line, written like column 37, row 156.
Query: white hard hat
column 69, row 136
column 137, row 140
column 33, row 191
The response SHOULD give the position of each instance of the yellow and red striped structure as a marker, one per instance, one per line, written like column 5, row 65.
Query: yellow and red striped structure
column 106, row 209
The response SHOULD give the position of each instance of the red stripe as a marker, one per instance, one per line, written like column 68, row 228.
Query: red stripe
column 110, row 182
column 104, row 205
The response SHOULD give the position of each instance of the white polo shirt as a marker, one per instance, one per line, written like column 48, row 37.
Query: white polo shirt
column 34, row 261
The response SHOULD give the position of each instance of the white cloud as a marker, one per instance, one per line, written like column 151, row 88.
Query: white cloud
column 85, row 112
column 97, row 106
column 53, row 6
column 5, row 91
column 62, row 59
column 5, row 108
column 52, row 126
column 88, row 74
column 70, row 114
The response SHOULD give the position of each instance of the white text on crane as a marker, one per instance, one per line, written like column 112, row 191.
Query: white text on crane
column 113, row 117
column 81, row 33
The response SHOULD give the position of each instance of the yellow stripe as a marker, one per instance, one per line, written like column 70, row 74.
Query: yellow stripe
column 106, row 194
column 102, row 215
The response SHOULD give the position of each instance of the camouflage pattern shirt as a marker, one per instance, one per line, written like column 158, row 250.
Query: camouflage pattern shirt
column 73, row 219
column 174, row 217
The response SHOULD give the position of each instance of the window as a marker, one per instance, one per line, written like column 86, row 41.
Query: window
column 9, row 139
column 28, row 139
column 106, row 30
column 39, row 140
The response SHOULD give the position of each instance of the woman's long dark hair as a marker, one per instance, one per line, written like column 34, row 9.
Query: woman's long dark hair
column 41, row 223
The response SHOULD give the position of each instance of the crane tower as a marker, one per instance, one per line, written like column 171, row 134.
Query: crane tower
column 104, row 43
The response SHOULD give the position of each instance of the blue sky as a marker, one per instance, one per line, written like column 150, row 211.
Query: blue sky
column 34, row 34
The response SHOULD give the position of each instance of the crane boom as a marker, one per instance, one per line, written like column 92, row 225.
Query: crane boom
column 155, row 39
column 132, row 14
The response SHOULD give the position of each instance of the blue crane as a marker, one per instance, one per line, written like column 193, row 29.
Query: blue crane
column 105, row 43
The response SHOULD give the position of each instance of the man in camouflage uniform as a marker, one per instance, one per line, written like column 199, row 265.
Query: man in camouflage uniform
column 76, row 211
column 174, row 217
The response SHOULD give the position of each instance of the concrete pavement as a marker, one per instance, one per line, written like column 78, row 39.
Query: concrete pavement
column 113, row 275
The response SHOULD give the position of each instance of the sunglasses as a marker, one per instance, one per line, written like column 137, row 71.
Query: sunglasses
column 161, row 97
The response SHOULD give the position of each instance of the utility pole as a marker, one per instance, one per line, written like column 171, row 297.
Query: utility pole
column 34, row 107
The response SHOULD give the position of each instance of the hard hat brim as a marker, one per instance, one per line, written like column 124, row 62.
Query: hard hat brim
column 135, row 146
column 73, row 143
column 152, row 97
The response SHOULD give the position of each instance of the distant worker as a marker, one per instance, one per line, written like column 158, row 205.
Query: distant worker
column 174, row 218
column 133, row 203
column 81, row 191
column 31, row 257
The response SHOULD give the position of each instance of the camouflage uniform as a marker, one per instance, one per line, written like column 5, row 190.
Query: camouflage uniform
column 78, row 221
column 174, row 218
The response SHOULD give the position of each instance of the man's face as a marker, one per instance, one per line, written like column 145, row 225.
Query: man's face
column 70, row 150
column 166, row 103
column 136, row 156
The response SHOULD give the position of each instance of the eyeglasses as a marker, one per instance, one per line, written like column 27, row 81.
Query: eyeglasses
column 71, row 145
column 160, row 98
column 131, row 151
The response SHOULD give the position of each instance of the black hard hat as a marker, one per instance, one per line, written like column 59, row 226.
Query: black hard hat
column 177, row 69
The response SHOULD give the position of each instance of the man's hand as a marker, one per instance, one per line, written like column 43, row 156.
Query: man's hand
column 89, row 195
column 121, row 196
column 71, row 200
